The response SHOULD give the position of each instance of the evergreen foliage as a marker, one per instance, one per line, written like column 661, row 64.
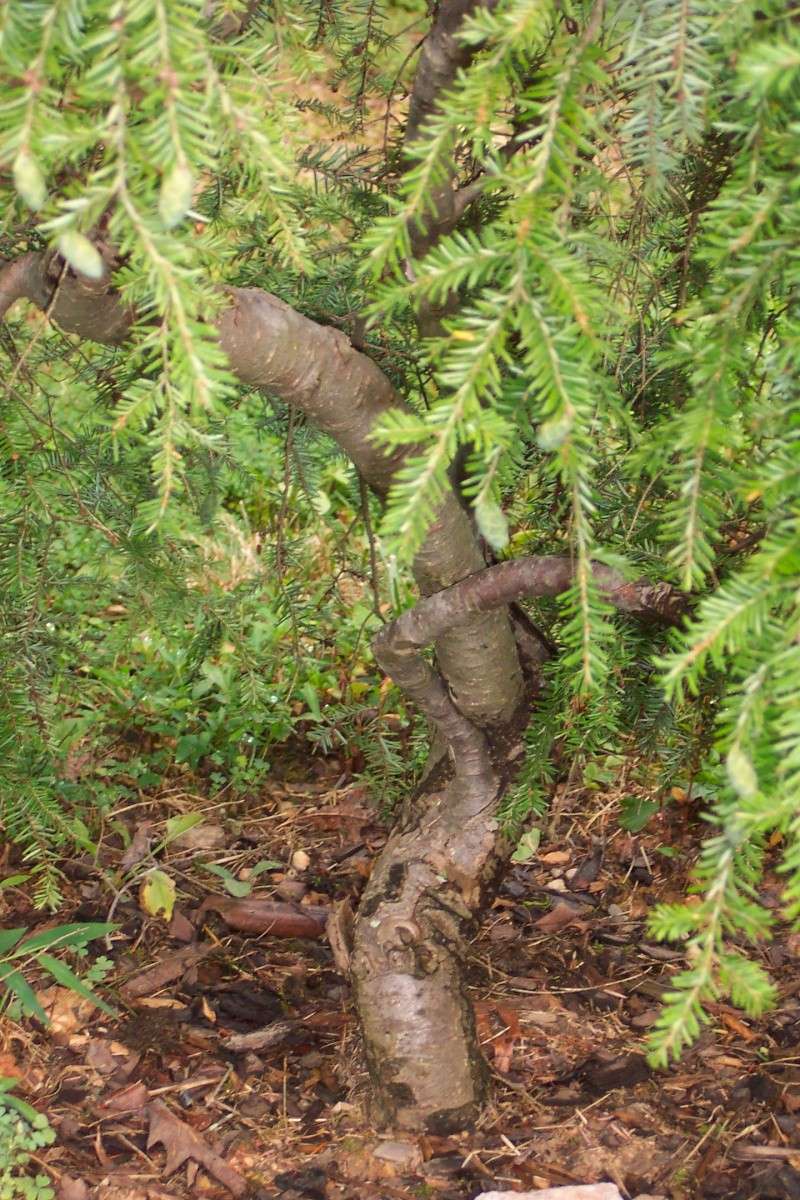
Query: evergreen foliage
column 619, row 360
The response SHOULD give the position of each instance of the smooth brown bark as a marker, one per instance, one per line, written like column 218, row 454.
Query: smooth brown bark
column 419, row 1036
column 433, row 875
column 316, row 369
column 439, row 867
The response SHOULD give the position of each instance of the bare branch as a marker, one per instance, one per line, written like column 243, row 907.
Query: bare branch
column 399, row 645
column 316, row 369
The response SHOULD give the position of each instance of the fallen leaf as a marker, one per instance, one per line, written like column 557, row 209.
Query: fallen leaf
column 181, row 928
column 127, row 1099
column 140, row 844
column 162, row 973
column 279, row 1033
column 201, row 837
column 67, row 1011
column 339, row 928
column 559, row 917
column 587, row 872
column 555, row 857
column 72, row 1189
column 266, row 916
column 180, row 1143
column 161, row 1002
column 99, row 1057
column 157, row 894
column 738, row 1027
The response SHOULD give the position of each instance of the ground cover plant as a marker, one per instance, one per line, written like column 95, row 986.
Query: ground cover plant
column 529, row 270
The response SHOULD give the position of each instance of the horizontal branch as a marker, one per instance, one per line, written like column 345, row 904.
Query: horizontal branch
column 317, row 370
column 398, row 646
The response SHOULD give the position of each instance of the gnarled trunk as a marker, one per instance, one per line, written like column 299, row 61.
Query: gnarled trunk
column 426, row 885
column 439, row 864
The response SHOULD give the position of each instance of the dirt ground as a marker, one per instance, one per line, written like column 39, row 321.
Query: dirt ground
column 169, row 1099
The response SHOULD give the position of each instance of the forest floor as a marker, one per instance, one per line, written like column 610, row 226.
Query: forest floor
column 159, row 1102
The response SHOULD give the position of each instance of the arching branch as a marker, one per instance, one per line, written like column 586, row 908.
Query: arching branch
column 316, row 369
column 399, row 645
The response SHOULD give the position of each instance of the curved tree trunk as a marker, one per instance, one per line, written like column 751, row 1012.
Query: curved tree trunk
column 440, row 862
column 431, row 879
column 408, row 988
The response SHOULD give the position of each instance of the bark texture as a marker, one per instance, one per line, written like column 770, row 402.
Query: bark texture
column 427, row 885
column 442, row 859
column 316, row 369
column 437, row 869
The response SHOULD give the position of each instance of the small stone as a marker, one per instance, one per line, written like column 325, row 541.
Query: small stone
column 557, row 885
column 399, row 1154
column 300, row 860
column 291, row 889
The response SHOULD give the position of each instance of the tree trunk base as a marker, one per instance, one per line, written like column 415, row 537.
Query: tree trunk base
column 408, row 962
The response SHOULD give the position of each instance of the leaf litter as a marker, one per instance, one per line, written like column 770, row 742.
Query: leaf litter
column 233, row 1068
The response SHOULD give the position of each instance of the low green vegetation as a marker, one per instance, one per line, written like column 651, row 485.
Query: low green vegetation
column 192, row 576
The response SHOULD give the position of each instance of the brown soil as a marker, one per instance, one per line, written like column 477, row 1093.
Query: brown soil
column 563, row 1007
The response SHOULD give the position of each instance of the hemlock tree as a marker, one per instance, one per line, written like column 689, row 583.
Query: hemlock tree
column 579, row 229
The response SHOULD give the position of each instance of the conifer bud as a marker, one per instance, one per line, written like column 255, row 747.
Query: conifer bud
column 81, row 255
column 29, row 180
column 553, row 433
column 492, row 523
column 176, row 195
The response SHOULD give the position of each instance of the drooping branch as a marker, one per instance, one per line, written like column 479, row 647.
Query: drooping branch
column 398, row 647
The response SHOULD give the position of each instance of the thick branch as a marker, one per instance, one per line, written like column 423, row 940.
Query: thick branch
column 316, row 369
column 399, row 644
column 441, row 60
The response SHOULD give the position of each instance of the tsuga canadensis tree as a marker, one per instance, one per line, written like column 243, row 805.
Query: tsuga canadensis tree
column 534, row 266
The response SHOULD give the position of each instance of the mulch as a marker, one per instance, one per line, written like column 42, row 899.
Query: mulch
column 234, row 1055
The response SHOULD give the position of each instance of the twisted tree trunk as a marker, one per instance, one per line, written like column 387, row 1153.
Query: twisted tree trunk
column 417, row 1023
column 441, row 861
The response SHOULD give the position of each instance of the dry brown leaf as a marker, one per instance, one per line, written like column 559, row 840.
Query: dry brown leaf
column 127, row 1099
column 162, row 973
column 140, row 845
column 267, row 916
column 68, row 1012
column 559, row 917
column 279, row 1033
column 161, row 1002
column 180, row 927
column 738, row 1027
column 99, row 1057
column 180, row 1143
column 72, row 1189
column 339, row 929
column 201, row 837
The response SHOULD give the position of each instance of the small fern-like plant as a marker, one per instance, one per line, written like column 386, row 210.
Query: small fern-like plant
column 23, row 1132
column 18, row 954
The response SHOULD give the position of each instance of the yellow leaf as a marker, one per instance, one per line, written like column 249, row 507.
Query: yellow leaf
column 157, row 894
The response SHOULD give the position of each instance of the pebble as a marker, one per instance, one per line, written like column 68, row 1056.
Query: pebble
column 400, row 1154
